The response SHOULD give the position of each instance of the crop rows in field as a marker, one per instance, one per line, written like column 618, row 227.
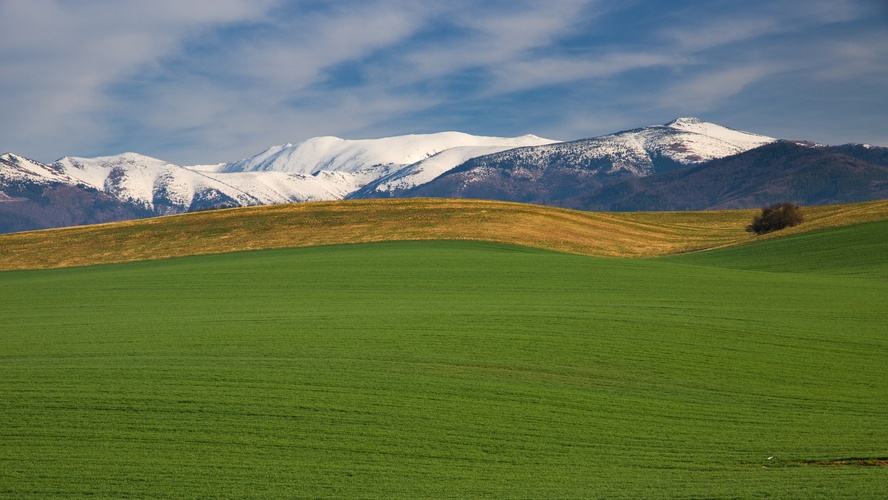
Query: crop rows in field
column 420, row 369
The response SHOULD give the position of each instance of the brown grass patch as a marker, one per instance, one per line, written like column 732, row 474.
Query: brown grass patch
column 638, row 234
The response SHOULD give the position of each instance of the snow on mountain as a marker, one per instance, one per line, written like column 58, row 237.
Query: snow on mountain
column 354, row 156
column 330, row 168
column 638, row 152
column 281, row 187
column 169, row 188
column 427, row 169
column 558, row 172
column 684, row 141
column 403, row 161
column 143, row 180
column 740, row 139
column 324, row 168
column 15, row 168
column 206, row 168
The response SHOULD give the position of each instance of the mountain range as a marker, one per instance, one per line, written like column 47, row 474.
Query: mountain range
column 686, row 164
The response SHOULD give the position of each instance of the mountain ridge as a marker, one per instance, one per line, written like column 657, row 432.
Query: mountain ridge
column 774, row 172
column 780, row 171
column 527, row 168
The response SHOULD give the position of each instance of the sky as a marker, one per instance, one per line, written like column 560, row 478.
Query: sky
column 209, row 81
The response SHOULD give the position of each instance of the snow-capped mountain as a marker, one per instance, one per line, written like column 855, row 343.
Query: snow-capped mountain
column 324, row 168
column 342, row 155
column 525, row 168
column 647, row 150
column 153, row 183
column 388, row 164
column 167, row 188
column 553, row 172
column 726, row 141
column 34, row 195
column 423, row 171
column 18, row 169
column 782, row 171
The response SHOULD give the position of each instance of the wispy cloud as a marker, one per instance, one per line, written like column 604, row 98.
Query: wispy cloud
column 214, row 80
column 722, row 33
column 541, row 72
column 706, row 89
column 287, row 70
column 59, row 58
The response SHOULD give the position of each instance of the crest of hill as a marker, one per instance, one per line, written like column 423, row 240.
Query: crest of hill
column 636, row 234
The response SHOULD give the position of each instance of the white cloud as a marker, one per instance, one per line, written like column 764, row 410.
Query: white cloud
column 495, row 38
column 705, row 90
column 860, row 58
column 714, row 35
column 777, row 18
column 291, row 64
column 774, row 48
column 305, row 46
column 113, row 66
column 180, row 80
column 58, row 58
column 534, row 73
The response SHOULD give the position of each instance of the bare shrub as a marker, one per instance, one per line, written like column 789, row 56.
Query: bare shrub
column 775, row 217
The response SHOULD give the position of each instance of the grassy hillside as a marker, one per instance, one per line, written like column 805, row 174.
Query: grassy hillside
column 361, row 221
column 859, row 249
column 457, row 369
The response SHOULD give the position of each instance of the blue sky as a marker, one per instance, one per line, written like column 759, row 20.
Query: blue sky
column 206, row 81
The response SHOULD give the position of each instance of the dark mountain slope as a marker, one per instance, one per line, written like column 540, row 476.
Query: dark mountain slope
column 28, row 206
column 783, row 171
column 543, row 175
column 38, row 196
column 872, row 154
column 552, row 173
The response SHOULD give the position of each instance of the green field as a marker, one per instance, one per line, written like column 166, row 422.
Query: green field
column 454, row 369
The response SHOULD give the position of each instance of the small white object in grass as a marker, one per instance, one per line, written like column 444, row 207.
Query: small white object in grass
column 770, row 458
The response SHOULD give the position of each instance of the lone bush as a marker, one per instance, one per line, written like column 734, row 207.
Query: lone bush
column 776, row 216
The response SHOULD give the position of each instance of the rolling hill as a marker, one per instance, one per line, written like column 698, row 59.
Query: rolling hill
column 407, row 369
column 359, row 221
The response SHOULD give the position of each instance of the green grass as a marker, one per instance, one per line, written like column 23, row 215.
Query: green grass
column 455, row 369
column 859, row 249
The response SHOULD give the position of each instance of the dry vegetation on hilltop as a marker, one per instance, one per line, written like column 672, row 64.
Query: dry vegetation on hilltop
column 636, row 234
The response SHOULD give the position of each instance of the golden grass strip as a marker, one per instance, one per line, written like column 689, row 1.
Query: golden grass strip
column 637, row 234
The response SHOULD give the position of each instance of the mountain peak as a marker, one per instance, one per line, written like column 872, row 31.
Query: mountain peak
column 128, row 157
column 684, row 121
column 11, row 157
column 384, row 154
column 739, row 138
